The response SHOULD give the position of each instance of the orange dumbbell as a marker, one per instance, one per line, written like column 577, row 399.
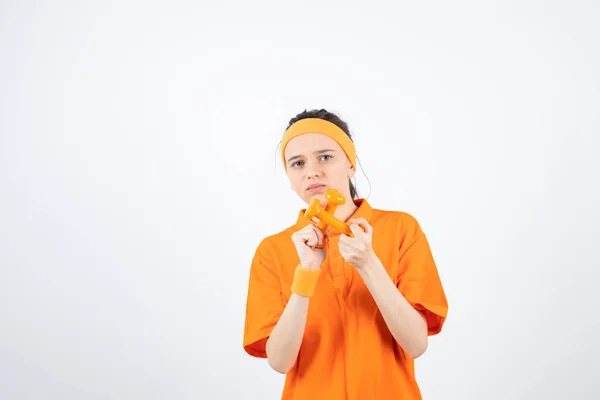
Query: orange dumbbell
column 315, row 210
column 334, row 199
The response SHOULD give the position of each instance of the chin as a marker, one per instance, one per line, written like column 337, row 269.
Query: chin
column 320, row 196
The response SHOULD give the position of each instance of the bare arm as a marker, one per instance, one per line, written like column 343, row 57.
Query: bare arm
column 285, row 339
column 407, row 325
column 284, row 342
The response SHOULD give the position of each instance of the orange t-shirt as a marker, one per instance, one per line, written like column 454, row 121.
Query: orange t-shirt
column 347, row 351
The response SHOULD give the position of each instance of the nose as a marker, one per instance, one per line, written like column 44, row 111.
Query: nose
column 313, row 169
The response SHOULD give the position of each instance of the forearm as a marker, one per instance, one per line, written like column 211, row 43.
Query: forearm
column 407, row 325
column 284, row 342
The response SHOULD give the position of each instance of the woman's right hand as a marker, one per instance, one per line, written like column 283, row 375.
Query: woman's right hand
column 305, row 241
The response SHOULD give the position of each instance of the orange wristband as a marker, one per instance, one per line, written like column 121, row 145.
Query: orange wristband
column 305, row 280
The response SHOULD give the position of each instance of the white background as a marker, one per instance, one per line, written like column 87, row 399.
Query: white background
column 139, row 171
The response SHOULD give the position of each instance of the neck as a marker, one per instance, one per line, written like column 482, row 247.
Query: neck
column 345, row 211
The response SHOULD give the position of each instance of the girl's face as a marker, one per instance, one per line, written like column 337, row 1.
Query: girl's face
column 314, row 163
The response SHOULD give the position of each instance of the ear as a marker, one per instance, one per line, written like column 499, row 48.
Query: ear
column 350, row 172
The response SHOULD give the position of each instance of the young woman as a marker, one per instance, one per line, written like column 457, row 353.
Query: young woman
column 345, row 319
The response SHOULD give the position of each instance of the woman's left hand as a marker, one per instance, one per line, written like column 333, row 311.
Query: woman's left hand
column 357, row 250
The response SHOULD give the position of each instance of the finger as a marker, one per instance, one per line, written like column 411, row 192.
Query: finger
column 309, row 242
column 362, row 222
column 312, row 239
column 309, row 229
column 356, row 230
column 317, row 232
column 345, row 239
column 300, row 236
column 320, row 235
column 304, row 236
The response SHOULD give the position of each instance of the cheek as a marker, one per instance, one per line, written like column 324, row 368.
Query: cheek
column 294, row 179
column 342, row 169
column 340, row 175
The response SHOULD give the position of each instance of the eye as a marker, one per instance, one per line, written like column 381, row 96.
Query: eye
column 296, row 163
column 326, row 155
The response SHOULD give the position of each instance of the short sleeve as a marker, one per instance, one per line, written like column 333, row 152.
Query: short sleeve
column 264, row 304
column 419, row 282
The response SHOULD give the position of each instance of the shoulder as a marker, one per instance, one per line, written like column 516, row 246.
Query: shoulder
column 276, row 243
column 399, row 229
column 399, row 222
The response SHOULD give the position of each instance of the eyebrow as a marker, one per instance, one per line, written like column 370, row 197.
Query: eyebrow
column 314, row 152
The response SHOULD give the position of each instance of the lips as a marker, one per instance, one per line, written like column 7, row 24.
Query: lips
column 315, row 185
column 315, row 188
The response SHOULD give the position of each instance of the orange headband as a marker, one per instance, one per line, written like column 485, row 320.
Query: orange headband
column 318, row 125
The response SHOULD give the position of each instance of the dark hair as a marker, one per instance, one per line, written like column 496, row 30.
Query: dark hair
column 333, row 118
